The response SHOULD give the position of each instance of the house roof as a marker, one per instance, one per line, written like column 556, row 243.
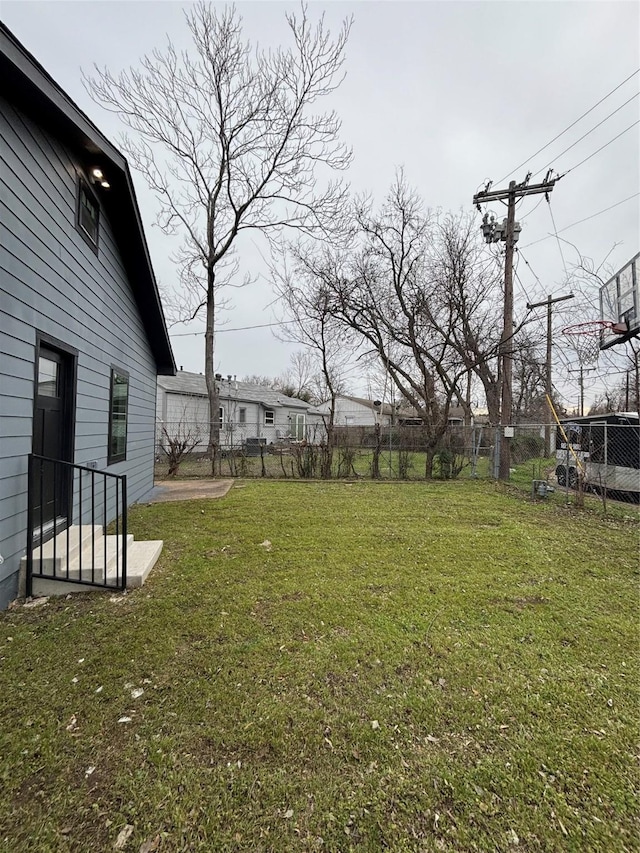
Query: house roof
column 385, row 409
column 24, row 82
column 402, row 412
column 194, row 385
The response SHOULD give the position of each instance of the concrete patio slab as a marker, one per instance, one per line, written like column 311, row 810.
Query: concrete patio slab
column 188, row 490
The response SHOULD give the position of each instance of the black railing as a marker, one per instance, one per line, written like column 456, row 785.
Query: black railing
column 76, row 524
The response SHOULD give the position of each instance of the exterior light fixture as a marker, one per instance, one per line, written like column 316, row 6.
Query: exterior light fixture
column 99, row 178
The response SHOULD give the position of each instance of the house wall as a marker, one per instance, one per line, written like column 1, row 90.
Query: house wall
column 51, row 281
column 178, row 413
column 351, row 413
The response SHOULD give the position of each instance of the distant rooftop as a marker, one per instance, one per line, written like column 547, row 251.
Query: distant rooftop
column 194, row 385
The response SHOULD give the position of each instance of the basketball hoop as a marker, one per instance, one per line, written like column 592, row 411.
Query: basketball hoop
column 585, row 337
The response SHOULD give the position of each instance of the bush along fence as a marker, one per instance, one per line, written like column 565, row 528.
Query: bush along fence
column 597, row 457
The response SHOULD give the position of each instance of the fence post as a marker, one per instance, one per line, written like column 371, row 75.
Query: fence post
column 497, row 443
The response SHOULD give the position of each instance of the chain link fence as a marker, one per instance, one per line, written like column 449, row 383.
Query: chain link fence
column 599, row 457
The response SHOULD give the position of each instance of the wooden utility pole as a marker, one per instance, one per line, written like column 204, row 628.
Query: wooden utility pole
column 509, row 233
column 581, row 371
column 549, row 301
column 506, row 344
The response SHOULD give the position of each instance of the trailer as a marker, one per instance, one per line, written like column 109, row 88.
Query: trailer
column 600, row 452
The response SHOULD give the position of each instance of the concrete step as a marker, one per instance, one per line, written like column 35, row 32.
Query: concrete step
column 141, row 558
column 53, row 554
column 105, row 552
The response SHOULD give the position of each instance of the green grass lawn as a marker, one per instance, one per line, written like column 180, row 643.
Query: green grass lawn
column 406, row 667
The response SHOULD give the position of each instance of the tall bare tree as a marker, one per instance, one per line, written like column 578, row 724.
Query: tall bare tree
column 231, row 139
column 387, row 292
column 529, row 382
column 306, row 300
column 469, row 282
column 298, row 379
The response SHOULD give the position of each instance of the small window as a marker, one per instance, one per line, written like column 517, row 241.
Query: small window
column 47, row 377
column 269, row 417
column 221, row 416
column 88, row 214
column 242, row 416
column 118, row 406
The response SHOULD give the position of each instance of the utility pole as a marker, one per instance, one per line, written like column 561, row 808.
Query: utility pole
column 509, row 231
column 549, row 301
column 581, row 371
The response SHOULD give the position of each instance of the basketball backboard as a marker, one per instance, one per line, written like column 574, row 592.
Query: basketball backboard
column 620, row 304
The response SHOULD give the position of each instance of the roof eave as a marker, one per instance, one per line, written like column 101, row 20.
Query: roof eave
column 25, row 82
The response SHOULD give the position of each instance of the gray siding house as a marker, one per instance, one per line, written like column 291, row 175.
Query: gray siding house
column 247, row 412
column 82, row 332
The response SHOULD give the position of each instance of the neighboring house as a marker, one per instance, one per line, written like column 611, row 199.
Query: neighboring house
column 357, row 411
column 248, row 413
column 82, row 332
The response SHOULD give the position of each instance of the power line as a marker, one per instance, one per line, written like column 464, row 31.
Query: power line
column 238, row 329
column 602, row 147
column 584, row 135
column 519, row 280
column 528, row 264
column 580, row 221
column 573, row 123
column 533, row 209
column 555, row 231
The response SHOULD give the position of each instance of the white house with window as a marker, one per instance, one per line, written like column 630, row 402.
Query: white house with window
column 357, row 411
column 249, row 414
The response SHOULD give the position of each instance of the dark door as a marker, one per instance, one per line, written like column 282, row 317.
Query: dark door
column 52, row 439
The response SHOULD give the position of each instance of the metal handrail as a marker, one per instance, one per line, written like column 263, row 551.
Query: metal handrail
column 100, row 503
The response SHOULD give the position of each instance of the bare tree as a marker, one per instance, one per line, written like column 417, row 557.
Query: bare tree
column 258, row 379
column 529, row 382
column 298, row 378
column 179, row 438
column 307, row 300
column 230, row 140
column 295, row 381
column 469, row 282
column 389, row 292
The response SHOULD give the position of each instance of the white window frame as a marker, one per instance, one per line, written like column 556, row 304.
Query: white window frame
column 269, row 417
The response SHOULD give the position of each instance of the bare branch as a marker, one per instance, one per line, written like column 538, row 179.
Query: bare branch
column 230, row 139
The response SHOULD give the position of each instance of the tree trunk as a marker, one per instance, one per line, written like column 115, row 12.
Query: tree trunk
column 327, row 458
column 493, row 403
column 209, row 375
column 375, row 462
column 428, row 463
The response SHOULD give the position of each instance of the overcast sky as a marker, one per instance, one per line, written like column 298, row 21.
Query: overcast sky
column 456, row 92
